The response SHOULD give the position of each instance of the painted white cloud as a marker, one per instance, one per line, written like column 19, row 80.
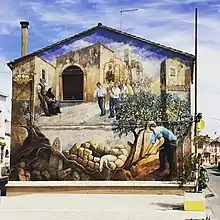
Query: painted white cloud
column 77, row 45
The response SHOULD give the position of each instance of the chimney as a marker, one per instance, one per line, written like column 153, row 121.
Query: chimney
column 24, row 38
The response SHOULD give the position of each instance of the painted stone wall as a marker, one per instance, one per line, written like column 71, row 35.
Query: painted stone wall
column 79, row 144
column 88, row 59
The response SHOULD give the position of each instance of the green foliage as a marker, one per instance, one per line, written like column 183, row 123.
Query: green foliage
column 201, row 139
column 177, row 109
column 187, row 168
column 134, row 112
column 202, row 179
column 189, row 165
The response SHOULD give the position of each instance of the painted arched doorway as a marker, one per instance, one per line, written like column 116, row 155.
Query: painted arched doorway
column 72, row 79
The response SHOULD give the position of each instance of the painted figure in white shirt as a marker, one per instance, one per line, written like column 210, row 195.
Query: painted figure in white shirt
column 100, row 94
column 114, row 97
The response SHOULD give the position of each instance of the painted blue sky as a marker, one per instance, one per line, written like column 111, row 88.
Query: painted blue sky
column 169, row 22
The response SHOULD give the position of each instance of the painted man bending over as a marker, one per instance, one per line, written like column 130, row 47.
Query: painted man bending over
column 166, row 145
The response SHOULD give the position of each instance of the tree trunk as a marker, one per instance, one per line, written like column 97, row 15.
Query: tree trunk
column 130, row 158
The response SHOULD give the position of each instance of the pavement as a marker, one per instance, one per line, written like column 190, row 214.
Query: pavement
column 95, row 207
column 78, row 114
column 81, row 123
column 214, row 186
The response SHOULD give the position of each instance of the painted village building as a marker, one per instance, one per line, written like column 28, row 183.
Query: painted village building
column 72, row 67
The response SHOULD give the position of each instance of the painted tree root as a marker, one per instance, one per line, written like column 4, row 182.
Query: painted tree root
column 37, row 159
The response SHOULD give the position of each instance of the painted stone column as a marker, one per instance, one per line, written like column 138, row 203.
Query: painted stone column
column 22, row 107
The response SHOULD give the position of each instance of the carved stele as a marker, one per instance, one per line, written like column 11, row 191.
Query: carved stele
column 55, row 163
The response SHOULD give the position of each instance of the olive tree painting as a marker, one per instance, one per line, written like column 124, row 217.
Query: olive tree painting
column 133, row 115
column 81, row 107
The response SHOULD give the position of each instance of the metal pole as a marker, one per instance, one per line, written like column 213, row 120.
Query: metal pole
column 196, row 85
column 31, row 105
column 196, row 88
column 126, row 10
column 121, row 20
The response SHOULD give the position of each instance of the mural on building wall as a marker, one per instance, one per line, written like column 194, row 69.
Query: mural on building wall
column 92, row 100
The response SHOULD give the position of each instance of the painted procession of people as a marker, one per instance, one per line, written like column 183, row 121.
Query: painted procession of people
column 115, row 91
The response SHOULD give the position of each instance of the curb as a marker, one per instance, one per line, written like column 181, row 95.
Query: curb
column 214, row 194
column 209, row 212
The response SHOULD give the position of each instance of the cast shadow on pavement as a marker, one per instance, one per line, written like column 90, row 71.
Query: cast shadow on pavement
column 166, row 206
column 216, row 174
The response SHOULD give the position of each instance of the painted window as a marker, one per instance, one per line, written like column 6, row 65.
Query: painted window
column 44, row 75
column 172, row 72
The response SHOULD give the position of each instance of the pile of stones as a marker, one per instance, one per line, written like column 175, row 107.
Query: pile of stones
column 97, row 157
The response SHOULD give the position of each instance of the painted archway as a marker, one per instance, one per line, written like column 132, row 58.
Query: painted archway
column 72, row 83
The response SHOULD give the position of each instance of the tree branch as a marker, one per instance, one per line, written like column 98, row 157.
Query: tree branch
column 140, row 131
column 134, row 132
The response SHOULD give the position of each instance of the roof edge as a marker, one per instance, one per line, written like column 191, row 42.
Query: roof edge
column 150, row 42
column 191, row 56
column 11, row 63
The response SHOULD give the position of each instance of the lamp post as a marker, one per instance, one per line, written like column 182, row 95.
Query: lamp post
column 196, row 79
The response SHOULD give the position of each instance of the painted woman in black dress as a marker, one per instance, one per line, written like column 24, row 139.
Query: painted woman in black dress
column 54, row 105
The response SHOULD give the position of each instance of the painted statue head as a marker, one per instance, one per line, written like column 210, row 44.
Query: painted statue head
column 42, row 80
